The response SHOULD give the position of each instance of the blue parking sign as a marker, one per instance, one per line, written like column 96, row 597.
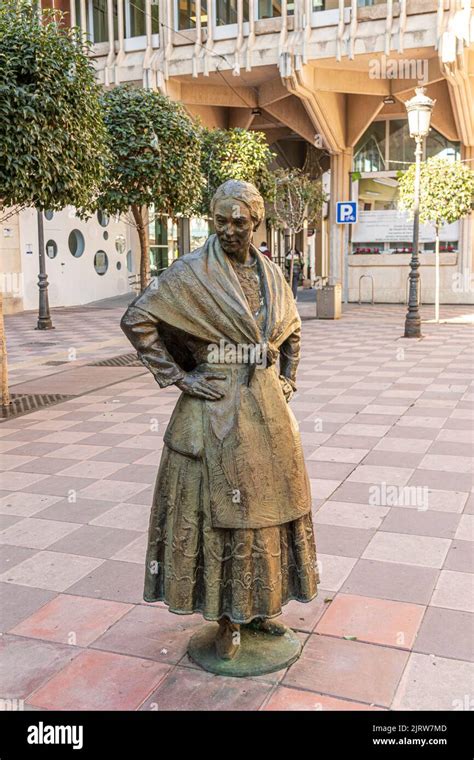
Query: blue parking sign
column 346, row 212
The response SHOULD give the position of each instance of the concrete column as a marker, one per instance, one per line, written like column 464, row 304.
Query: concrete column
column 466, row 225
column 341, row 165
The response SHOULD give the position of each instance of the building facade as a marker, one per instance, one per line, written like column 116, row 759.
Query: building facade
column 326, row 81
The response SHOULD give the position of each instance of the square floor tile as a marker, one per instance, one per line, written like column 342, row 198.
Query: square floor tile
column 51, row 570
column 94, row 541
column 377, row 621
column 351, row 515
column 77, row 511
column 408, row 549
column 285, row 698
column 35, row 534
column 133, row 552
column 333, row 570
column 421, row 522
column 118, row 581
column 454, row 590
column 447, row 633
column 27, row 663
column 151, row 632
column 13, row 555
column 100, row 681
column 435, row 683
column 346, row 542
column 188, row 689
column 111, row 490
column 460, row 557
column 348, row 669
column 125, row 516
column 73, row 620
column 18, row 602
column 390, row 580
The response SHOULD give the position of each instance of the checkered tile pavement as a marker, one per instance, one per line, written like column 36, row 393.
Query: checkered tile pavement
column 386, row 426
column 80, row 335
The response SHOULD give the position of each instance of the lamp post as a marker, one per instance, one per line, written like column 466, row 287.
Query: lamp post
column 44, row 316
column 419, row 110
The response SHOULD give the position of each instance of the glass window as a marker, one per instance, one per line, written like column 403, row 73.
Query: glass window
column 48, row 215
column 226, row 12
column 269, row 8
column 135, row 18
column 187, row 14
column 51, row 249
column 369, row 153
column 400, row 145
column 129, row 261
column 378, row 194
column 437, row 145
column 103, row 218
column 101, row 262
column 76, row 243
column 120, row 243
column 99, row 20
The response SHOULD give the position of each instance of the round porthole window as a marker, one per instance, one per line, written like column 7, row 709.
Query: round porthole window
column 119, row 265
column 101, row 262
column 106, row 235
column 48, row 214
column 51, row 249
column 120, row 243
column 103, row 218
column 76, row 243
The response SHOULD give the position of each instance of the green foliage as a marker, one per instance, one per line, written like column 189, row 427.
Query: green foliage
column 51, row 129
column 234, row 154
column 446, row 190
column 296, row 199
column 154, row 153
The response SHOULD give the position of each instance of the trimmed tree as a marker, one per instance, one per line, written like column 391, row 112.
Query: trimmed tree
column 296, row 200
column 446, row 195
column 51, row 129
column 234, row 154
column 154, row 159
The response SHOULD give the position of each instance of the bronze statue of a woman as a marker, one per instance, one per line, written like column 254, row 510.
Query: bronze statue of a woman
column 230, row 534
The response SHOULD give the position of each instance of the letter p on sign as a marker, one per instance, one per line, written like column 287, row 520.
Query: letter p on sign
column 346, row 212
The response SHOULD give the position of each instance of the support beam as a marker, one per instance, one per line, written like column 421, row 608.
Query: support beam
column 292, row 113
column 205, row 95
column 271, row 91
column 361, row 111
column 239, row 117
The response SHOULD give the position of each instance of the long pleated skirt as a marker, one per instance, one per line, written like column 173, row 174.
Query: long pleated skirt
column 238, row 573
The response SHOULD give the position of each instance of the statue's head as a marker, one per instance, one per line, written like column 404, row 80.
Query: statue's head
column 237, row 209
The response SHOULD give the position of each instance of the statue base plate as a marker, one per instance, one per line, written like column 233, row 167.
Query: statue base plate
column 259, row 652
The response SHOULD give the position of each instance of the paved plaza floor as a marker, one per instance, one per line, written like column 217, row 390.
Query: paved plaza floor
column 386, row 426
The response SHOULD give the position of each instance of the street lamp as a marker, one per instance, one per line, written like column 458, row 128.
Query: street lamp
column 44, row 315
column 419, row 110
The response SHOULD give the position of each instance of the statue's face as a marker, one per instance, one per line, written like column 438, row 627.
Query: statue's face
column 233, row 225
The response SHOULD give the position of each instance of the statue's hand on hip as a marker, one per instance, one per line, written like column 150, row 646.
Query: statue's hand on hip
column 198, row 384
column 287, row 388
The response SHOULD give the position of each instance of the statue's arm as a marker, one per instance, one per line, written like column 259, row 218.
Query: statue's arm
column 290, row 356
column 142, row 330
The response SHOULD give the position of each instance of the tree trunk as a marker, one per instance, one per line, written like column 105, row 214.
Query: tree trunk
column 437, row 275
column 3, row 361
column 142, row 230
column 292, row 250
